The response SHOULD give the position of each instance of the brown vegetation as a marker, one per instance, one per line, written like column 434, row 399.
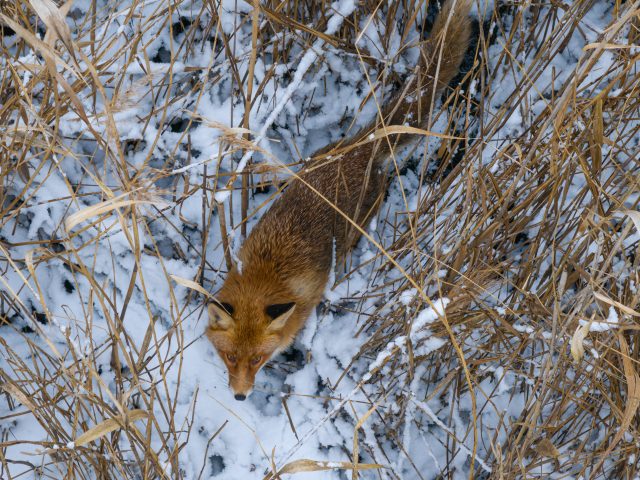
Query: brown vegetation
column 526, row 235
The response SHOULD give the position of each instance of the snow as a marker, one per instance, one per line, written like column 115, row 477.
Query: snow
column 324, row 403
column 610, row 323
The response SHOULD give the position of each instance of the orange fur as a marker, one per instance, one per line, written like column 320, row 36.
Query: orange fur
column 288, row 256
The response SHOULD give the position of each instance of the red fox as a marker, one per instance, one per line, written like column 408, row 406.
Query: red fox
column 287, row 258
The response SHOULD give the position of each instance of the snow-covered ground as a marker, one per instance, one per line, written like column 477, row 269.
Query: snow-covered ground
column 308, row 401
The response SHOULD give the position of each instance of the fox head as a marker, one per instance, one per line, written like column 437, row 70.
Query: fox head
column 246, row 335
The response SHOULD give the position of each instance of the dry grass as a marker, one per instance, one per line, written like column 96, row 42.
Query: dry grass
column 525, row 234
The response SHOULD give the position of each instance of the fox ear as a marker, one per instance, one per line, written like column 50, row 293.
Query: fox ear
column 220, row 315
column 279, row 313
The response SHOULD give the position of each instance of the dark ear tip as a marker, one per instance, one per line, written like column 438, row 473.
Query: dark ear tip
column 227, row 307
column 274, row 311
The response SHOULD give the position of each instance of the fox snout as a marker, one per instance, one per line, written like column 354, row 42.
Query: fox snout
column 241, row 383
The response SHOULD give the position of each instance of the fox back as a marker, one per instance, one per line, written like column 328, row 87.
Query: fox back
column 287, row 258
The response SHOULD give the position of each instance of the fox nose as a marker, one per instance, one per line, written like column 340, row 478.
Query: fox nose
column 239, row 396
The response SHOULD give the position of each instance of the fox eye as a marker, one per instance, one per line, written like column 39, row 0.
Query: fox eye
column 231, row 357
column 256, row 360
column 274, row 311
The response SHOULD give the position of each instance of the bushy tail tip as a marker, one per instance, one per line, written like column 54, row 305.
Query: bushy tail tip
column 448, row 42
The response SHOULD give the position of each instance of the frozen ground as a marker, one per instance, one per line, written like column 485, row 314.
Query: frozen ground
column 164, row 119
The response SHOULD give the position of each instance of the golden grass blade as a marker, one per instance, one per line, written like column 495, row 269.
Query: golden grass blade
column 107, row 426
column 99, row 209
column 495, row 208
column 16, row 393
column 632, row 399
column 226, row 130
column 356, row 443
column 305, row 465
column 404, row 129
column 48, row 52
column 620, row 306
column 607, row 46
column 53, row 18
column 190, row 284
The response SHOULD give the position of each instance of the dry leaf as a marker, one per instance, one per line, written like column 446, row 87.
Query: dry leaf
column 634, row 215
column 577, row 349
column 546, row 448
column 23, row 171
